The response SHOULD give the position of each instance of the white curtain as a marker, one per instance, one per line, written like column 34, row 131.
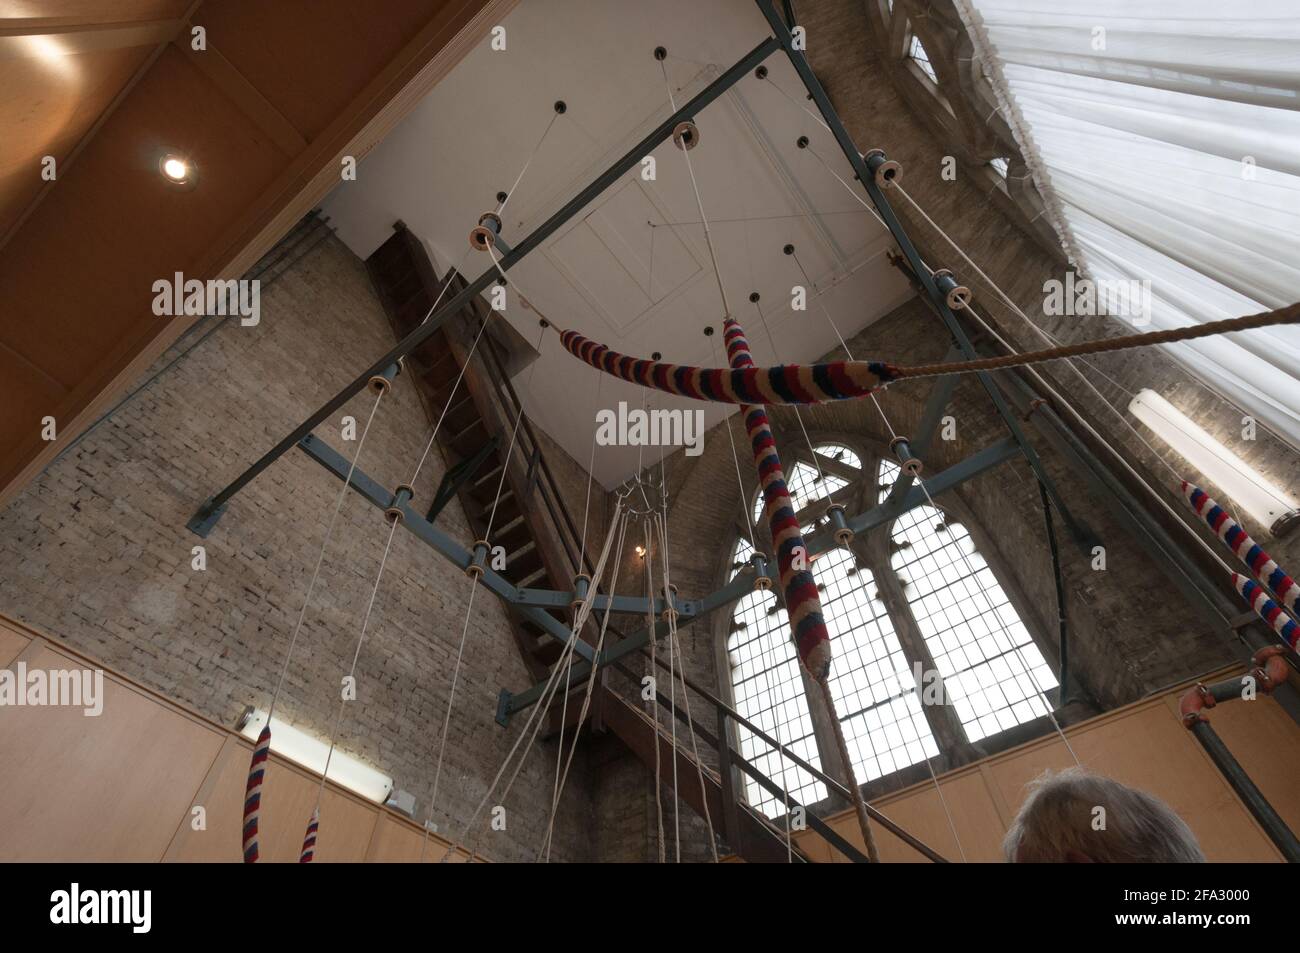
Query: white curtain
column 1165, row 137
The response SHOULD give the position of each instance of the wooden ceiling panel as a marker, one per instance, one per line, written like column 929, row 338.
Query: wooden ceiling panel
column 139, row 230
column 339, row 47
column 77, row 270
column 46, row 107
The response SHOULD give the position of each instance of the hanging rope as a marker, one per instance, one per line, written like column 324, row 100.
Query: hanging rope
column 586, row 698
column 308, row 852
column 313, row 824
column 817, row 294
column 654, row 702
column 469, row 601
column 670, row 613
column 1246, row 549
column 253, row 792
column 262, row 749
column 552, row 682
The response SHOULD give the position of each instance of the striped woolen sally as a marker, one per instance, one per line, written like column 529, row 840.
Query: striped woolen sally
column 802, row 600
column 253, row 793
column 747, row 384
column 308, row 853
column 1246, row 549
column 1257, row 598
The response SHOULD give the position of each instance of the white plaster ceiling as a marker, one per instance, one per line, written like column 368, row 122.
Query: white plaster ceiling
column 468, row 140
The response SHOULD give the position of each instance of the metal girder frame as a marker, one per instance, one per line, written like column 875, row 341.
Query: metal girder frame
column 509, row 702
column 211, row 510
column 865, row 173
column 531, row 602
column 426, row 532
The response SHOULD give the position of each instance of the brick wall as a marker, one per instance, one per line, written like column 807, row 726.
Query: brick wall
column 96, row 552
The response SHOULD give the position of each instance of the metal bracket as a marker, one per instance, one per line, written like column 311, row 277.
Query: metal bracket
column 205, row 518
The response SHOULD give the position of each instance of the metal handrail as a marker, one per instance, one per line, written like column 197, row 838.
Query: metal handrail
column 821, row 827
column 835, row 786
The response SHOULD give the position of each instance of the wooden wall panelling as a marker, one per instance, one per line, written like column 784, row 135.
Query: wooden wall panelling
column 288, row 796
column 121, row 786
column 99, row 788
column 1143, row 745
column 12, row 642
column 398, row 841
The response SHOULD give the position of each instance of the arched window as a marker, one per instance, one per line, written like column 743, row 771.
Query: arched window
column 768, row 690
column 992, row 671
column 807, row 481
column 871, row 679
column 921, row 58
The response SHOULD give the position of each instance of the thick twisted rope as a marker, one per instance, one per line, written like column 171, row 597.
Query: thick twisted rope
column 308, row 853
column 1265, row 319
column 844, row 380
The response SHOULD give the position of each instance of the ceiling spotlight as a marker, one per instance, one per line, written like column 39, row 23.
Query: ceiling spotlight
column 175, row 169
column 640, row 551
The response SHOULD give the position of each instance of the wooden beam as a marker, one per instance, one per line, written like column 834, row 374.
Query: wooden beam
column 43, row 38
column 245, row 95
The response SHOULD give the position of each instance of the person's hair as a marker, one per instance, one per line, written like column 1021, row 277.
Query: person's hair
column 1059, row 821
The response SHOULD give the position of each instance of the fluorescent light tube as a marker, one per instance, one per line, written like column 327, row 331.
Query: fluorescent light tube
column 1247, row 488
column 310, row 752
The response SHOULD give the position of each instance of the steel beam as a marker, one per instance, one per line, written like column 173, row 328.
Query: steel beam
column 210, row 510
column 512, row 702
column 1282, row 836
column 631, row 605
column 955, row 475
column 943, row 481
column 381, row 498
column 865, row 173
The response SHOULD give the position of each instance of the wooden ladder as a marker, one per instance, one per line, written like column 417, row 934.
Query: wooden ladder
column 531, row 523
